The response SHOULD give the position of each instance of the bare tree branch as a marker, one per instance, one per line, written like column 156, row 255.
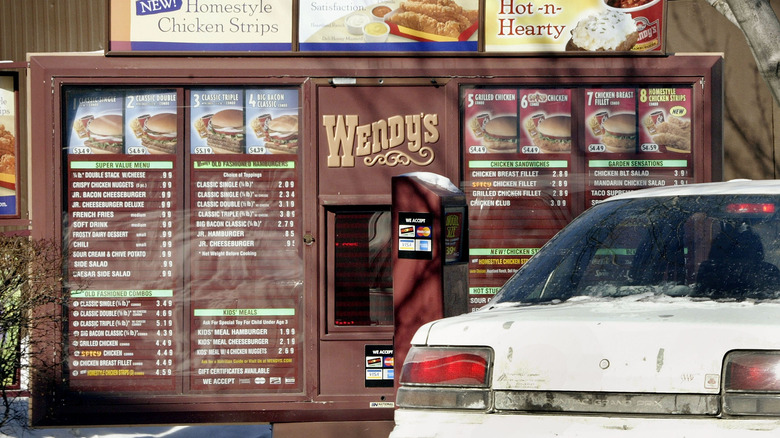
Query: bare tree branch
column 761, row 28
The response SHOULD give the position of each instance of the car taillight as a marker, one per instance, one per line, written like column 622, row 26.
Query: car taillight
column 446, row 366
column 446, row 377
column 747, row 208
column 752, row 383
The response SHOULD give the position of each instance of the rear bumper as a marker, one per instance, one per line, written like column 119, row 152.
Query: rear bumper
column 447, row 424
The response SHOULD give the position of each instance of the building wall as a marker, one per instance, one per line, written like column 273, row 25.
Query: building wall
column 749, row 126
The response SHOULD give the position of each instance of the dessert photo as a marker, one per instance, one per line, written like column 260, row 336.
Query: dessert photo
column 608, row 31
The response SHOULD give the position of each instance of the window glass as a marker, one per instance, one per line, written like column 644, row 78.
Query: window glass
column 717, row 247
column 363, row 277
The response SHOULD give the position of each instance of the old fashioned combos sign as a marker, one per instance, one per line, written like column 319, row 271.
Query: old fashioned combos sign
column 8, row 147
column 134, row 290
column 522, row 161
column 387, row 25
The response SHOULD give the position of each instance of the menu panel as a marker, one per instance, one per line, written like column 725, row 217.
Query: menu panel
column 124, row 268
column 517, row 166
column 246, row 266
column 524, row 157
column 138, row 262
column 246, row 273
column 636, row 138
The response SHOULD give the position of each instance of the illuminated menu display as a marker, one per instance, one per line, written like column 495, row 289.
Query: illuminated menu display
column 121, row 239
column 530, row 167
column 636, row 138
column 517, row 148
column 246, row 273
column 168, row 301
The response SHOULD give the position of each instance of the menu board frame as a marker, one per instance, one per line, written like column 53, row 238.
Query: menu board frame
column 55, row 73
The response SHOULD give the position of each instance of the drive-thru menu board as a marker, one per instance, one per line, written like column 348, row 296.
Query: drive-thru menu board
column 517, row 146
column 527, row 151
column 120, row 229
column 636, row 138
column 150, row 243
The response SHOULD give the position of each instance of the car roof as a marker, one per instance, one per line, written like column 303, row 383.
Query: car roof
column 733, row 187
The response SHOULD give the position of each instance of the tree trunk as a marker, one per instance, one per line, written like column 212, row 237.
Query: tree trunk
column 761, row 28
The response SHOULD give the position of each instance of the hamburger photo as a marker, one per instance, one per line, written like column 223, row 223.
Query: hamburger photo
column 620, row 133
column 225, row 131
column 280, row 134
column 553, row 134
column 105, row 134
column 499, row 134
column 158, row 133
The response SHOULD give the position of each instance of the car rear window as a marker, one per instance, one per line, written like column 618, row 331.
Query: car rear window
column 714, row 247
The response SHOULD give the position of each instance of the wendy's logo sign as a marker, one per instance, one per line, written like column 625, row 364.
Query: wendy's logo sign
column 397, row 140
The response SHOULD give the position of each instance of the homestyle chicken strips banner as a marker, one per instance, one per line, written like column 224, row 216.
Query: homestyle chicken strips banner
column 247, row 26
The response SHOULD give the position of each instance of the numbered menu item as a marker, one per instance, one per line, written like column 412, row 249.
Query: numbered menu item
column 122, row 268
column 665, row 115
column 545, row 115
column 611, row 120
column 490, row 121
column 152, row 123
column 272, row 114
column 217, row 124
column 96, row 121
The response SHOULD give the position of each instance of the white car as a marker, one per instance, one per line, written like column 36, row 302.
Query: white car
column 655, row 313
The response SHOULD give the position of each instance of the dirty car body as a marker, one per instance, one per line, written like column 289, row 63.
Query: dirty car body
column 655, row 313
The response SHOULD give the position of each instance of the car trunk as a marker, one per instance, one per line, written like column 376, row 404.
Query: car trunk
column 613, row 346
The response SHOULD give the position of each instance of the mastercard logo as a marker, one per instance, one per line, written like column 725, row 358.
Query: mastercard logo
column 423, row 231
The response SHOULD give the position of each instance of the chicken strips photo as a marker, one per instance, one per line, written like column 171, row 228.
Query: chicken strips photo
column 440, row 17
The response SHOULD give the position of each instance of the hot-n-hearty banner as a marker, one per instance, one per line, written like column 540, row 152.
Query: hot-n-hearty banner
column 578, row 26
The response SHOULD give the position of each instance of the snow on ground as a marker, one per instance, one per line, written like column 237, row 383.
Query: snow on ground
column 178, row 431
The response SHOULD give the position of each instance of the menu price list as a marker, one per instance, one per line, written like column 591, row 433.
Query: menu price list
column 527, row 200
column 245, row 214
column 120, row 233
column 245, row 348
column 122, row 340
column 608, row 178
column 121, row 221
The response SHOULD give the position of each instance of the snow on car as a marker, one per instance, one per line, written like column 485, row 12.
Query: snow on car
column 654, row 313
